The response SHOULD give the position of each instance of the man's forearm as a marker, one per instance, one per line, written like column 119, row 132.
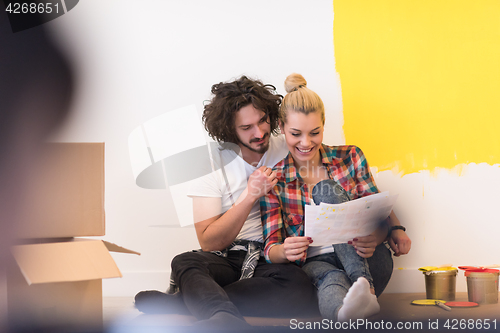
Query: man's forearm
column 218, row 234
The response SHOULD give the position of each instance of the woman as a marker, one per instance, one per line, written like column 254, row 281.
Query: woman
column 309, row 162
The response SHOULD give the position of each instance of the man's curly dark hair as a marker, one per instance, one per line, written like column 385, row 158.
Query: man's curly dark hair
column 230, row 97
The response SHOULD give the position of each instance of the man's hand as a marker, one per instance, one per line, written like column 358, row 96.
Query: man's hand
column 295, row 248
column 261, row 181
column 399, row 242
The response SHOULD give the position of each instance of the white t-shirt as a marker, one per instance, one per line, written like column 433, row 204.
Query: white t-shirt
column 237, row 172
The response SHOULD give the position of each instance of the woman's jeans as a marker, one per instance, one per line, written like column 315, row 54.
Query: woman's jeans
column 328, row 273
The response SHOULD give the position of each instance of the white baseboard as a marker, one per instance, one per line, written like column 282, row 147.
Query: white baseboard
column 402, row 281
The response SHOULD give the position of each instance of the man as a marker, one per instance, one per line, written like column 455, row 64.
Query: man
column 221, row 283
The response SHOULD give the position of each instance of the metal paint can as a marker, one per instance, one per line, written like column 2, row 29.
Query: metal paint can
column 482, row 287
column 441, row 284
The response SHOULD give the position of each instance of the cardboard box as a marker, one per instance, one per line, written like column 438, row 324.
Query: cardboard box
column 59, row 284
column 65, row 196
column 55, row 280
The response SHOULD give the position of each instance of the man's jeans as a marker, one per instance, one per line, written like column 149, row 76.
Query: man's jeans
column 328, row 274
column 210, row 284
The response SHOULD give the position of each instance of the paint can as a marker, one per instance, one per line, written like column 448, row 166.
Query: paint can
column 441, row 283
column 482, row 285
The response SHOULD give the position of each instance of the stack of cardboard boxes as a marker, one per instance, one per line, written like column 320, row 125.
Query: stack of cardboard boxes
column 56, row 279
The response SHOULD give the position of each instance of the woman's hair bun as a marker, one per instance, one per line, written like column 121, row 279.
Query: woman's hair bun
column 294, row 81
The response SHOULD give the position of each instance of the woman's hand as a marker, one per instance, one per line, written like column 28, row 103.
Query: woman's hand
column 295, row 248
column 399, row 242
column 364, row 246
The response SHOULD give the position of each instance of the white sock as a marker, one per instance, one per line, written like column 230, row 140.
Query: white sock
column 373, row 307
column 359, row 302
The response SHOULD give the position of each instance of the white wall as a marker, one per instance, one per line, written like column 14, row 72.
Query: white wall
column 452, row 218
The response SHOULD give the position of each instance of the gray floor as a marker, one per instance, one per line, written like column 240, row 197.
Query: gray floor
column 395, row 308
column 118, row 308
column 398, row 307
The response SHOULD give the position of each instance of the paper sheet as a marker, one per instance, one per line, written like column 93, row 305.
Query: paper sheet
column 330, row 224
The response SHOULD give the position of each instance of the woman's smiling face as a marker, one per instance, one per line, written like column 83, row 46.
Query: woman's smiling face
column 304, row 135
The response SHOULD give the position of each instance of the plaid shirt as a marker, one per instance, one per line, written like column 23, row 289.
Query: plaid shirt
column 282, row 209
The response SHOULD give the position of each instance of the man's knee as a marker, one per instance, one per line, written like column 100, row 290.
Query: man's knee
column 381, row 267
column 183, row 258
column 297, row 288
column 185, row 261
column 292, row 276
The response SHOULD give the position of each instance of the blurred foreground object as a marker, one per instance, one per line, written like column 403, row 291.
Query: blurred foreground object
column 36, row 85
column 35, row 93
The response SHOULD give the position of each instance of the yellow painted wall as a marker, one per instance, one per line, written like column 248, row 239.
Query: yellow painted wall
column 420, row 80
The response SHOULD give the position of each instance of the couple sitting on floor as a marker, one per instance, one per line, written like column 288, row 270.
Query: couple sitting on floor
column 253, row 202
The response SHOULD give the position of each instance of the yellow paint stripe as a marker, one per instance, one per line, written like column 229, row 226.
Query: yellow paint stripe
column 420, row 81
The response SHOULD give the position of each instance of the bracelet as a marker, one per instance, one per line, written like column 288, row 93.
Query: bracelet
column 395, row 227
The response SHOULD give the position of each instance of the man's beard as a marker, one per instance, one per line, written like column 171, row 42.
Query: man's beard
column 260, row 150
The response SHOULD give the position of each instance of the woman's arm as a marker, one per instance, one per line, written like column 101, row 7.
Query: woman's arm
column 277, row 247
column 273, row 231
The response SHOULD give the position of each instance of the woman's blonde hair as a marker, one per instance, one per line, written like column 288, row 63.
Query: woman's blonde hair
column 299, row 98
